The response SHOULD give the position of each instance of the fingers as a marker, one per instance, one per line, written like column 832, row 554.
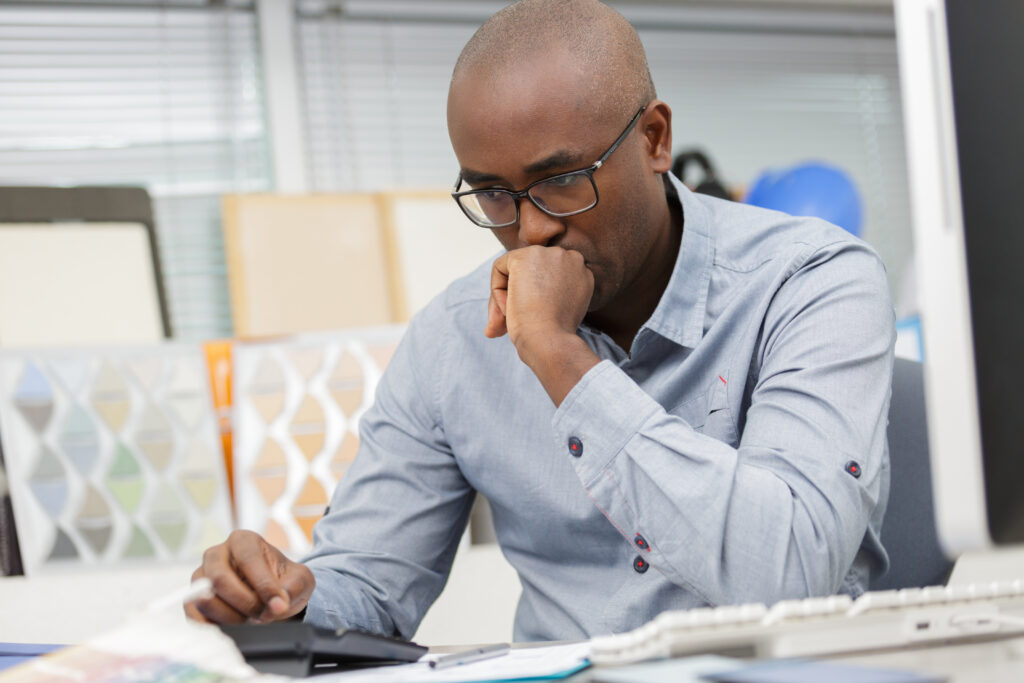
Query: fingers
column 496, row 325
column 298, row 582
column 251, row 580
column 496, row 305
column 212, row 610
column 234, row 600
column 538, row 291
column 191, row 611
column 260, row 565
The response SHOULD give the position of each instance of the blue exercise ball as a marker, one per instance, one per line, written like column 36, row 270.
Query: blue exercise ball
column 810, row 189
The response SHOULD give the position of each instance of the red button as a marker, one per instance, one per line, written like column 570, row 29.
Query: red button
column 575, row 446
column 853, row 468
column 640, row 565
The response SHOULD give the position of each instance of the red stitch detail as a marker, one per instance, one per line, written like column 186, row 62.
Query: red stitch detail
column 723, row 380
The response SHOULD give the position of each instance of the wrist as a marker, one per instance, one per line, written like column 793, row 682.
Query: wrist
column 559, row 360
column 541, row 345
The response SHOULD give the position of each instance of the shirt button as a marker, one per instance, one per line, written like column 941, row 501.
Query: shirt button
column 641, row 542
column 640, row 565
column 575, row 446
column 853, row 468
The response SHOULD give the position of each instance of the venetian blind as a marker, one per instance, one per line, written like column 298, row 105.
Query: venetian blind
column 754, row 89
column 166, row 95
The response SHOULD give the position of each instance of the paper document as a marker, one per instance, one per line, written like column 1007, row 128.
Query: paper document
column 686, row 670
column 546, row 662
column 149, row 647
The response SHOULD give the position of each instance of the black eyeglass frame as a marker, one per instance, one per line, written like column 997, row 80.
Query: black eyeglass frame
column 518, row 195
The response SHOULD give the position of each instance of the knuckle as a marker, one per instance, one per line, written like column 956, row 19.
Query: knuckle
column 198, row 607
column 210, row 612
column 212, row 554
column 266, row 587
column 299, row 581
column 220, row 583
column 239, row 536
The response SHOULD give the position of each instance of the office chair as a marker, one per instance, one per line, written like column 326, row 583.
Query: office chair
column 908, row 529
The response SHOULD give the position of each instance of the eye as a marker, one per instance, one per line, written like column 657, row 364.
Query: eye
column 490, row 196
column 566, row 181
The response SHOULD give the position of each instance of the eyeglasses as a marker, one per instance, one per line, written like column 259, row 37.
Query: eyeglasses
column 565, row 194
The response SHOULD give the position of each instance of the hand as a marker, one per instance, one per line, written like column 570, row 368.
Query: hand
column 252, row 580
column 539, row 296
column 536, row 292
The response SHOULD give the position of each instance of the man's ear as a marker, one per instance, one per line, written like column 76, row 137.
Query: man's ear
column 657, row 132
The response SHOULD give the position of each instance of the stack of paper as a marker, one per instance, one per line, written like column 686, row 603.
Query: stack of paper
column 529, row 663
column 152, row 647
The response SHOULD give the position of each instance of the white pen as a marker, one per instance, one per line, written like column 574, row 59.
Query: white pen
column 200, row 588
column 470, row 656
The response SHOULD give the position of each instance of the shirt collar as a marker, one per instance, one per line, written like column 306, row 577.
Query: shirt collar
column 679, row 315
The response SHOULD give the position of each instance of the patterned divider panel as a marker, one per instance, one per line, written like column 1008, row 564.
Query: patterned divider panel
column 113, row 455
column 297, row 404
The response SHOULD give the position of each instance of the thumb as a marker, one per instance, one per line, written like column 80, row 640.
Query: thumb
column 496, row 325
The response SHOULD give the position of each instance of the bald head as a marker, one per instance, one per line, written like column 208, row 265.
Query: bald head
column 592, row 39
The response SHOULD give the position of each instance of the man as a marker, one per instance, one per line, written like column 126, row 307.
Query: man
column 670, row 400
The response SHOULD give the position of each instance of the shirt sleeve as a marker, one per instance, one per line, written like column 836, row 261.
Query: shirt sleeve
column 382, row 553
column 782, row 515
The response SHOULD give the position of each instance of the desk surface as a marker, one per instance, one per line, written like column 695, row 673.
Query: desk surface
column 70, row 607
column 978, row 662
column 991, row 661
column 477, row 604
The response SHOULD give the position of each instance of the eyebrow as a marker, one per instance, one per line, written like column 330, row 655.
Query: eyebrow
column 472, row 177
column 562, row 160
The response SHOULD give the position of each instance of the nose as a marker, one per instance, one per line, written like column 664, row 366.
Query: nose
column 535, row 226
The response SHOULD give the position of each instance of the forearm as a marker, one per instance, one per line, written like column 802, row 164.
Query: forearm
column 559, row 361
column 539, row 297
column 382, row 553
column 730, row 524
column 340, row 601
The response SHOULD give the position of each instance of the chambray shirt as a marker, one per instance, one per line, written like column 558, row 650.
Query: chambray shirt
column 736, row 453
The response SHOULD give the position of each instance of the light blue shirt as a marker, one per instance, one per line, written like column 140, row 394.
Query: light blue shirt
column 738, row 448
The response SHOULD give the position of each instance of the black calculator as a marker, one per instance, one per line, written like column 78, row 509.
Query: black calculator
column 294, row 648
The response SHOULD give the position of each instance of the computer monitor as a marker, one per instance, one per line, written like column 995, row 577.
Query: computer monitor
column 962, row 73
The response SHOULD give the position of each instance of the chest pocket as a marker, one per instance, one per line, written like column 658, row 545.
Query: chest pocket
column 709, row 413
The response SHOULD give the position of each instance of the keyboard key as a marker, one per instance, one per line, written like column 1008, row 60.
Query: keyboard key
column 788, row 610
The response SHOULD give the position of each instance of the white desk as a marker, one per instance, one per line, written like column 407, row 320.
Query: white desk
column 477, row 605
column 1000, row 661
column 70, row 607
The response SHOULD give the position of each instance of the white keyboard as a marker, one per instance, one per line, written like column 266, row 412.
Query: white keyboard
column 878, row 620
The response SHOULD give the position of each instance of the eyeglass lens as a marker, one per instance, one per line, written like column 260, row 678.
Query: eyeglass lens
column 564, row 194
column 560, row 196
column 493, row 207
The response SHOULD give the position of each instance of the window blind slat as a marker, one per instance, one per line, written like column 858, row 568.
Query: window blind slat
column 168, row 97
column 754, row 98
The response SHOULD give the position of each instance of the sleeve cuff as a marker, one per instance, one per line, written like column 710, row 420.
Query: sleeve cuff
column 330, row 606
column 603, row 411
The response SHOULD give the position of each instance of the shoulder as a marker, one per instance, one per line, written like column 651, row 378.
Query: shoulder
column 748, row 238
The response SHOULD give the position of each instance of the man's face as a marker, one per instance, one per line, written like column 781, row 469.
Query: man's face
column 509, row 130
